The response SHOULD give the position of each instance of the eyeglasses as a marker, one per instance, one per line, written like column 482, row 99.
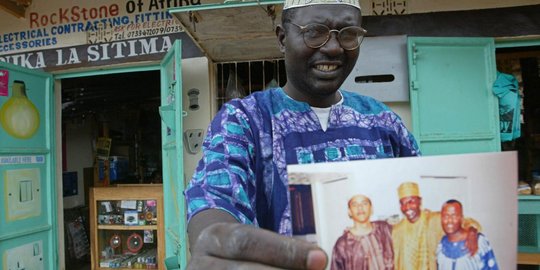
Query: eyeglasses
column 316, row 35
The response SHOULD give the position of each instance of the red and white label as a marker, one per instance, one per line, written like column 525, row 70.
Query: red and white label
column 4, row 80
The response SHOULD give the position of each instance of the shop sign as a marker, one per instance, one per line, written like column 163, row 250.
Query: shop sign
column 132, row 50
column 108, row 29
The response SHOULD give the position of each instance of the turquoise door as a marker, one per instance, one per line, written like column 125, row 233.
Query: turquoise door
column 452, row 105
column 28, row 225
column 172, row 151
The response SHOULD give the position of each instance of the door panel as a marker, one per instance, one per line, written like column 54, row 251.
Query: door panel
column 452, row 105
column 172, row 151
column 28, row 234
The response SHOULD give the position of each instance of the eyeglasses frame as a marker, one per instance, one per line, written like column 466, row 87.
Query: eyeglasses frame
column 303, row 29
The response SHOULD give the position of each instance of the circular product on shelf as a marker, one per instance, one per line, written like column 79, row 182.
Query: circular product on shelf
column 115, row 241
column 134, row 242
column 149, row 216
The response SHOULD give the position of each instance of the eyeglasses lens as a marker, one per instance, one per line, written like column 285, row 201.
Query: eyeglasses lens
column 350, row 37
column 316, row 35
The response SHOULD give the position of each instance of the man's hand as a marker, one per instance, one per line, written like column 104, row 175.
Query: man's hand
column 472, row 240
column 229, row 245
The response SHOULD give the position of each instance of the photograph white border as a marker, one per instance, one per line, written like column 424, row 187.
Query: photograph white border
column 486, row 185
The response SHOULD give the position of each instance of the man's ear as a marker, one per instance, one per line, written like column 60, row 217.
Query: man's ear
column 280, row 33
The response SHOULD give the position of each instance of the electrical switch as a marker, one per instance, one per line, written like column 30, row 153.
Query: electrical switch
column 36, row 249
column 25, row 191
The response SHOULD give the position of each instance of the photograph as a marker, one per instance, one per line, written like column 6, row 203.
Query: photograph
column 431, row 212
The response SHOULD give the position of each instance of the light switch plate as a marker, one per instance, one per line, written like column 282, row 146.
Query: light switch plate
column 23, row 193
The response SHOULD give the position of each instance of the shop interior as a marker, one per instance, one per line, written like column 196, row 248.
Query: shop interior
column 524, row 63
column 124, row 108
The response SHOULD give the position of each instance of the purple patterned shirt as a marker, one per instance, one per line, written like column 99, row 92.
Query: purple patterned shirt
column 251, row 141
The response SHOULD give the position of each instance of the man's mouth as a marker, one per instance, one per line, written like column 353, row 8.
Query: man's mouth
column 410, row 213
column 326, row 68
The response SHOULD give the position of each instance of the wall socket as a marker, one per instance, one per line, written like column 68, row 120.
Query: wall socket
column 193, row 139
column 28, row 256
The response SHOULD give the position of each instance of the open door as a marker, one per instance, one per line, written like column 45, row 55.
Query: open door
column 452, row 104
column 28, row 222
column 172, row 151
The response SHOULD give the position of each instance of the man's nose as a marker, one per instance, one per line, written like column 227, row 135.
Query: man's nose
column 332, row 46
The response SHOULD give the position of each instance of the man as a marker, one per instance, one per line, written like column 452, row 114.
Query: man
column 242, row 177
column 416, row 237
column 367, row 245
column 452, row 253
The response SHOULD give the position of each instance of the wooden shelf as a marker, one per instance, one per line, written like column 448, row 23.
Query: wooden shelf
column 529, row 258
column 100, row 233
column 127, row 228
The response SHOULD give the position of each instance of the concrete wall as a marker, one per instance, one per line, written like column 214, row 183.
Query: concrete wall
column 195, row 75
column 79, row 155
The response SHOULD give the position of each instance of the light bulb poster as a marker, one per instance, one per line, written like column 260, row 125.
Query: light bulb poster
column 26, row 110
column 19, row 116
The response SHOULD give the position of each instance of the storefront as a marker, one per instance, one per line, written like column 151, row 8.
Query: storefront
column 105, row 74
column 93, row 73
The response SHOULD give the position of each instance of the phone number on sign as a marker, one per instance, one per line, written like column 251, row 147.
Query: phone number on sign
column 153, row 31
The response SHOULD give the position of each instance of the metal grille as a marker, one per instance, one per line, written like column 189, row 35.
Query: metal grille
column 527, row 230
column 239, row 79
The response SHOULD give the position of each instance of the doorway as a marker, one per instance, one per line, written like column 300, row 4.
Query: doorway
column 122, row 107
column 523, row 64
